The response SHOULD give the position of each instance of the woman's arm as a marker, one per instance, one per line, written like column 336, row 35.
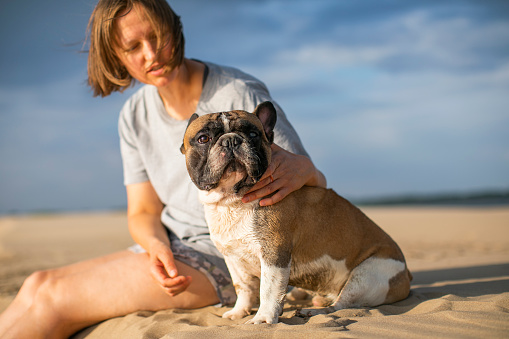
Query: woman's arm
column 287, row 172
column 144, row 222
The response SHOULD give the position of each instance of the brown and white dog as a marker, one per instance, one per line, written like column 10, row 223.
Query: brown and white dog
column 312, row 239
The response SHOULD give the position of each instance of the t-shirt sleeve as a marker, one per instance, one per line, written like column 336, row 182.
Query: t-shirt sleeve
column 285, row 135
column 133, row 166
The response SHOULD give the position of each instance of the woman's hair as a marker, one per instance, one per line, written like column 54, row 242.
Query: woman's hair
column 106, row 73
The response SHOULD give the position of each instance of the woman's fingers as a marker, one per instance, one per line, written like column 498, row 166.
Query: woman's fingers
column 165, row 271
column 286, row 173
column 177, row 285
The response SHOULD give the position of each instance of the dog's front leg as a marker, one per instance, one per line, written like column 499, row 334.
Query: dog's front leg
column 247, row 287
column 273, row 285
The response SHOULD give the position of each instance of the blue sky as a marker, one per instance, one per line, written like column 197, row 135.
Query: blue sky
column 389, row 97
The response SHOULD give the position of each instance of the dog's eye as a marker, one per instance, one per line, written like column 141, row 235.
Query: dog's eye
column 253, row 135
column 203, row 139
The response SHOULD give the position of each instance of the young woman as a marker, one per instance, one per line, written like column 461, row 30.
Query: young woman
column 174, row 264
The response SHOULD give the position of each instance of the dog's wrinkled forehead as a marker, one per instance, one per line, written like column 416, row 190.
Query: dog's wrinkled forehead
column 236, row 120
column 226, row 118
column 221, row 123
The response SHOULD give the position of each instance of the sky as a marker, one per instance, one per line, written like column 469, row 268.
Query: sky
column 388, row 97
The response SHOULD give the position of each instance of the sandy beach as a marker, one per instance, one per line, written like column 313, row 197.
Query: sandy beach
column 459, row 258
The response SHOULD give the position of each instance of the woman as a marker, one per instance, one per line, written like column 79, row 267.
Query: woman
column 174, row 264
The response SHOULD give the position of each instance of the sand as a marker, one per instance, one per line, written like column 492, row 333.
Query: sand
column 459, row 258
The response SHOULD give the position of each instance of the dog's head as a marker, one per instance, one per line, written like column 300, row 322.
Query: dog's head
column 230, row 150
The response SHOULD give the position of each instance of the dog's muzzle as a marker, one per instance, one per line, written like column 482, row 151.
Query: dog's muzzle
column 231, row 141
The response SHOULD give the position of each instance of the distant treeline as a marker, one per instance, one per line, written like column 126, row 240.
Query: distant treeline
column 483, row 198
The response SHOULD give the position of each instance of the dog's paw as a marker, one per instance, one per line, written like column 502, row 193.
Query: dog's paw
column 263, row 319
column 310, row 312
column 322, row 301
column 298, row 293
column 235, row 314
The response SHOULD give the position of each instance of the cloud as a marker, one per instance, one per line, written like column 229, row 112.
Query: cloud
column 415, row 42
column 415, row 103
column 426, row 134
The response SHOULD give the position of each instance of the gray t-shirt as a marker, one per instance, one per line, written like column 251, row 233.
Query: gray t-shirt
column 150, row 143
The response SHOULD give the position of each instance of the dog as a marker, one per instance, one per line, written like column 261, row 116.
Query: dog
column 313, row 238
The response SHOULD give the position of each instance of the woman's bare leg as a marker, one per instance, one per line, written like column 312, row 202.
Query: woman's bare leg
column 25, row 296
column 57, row 303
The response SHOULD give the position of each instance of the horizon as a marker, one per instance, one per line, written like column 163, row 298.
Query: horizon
column 478, row 198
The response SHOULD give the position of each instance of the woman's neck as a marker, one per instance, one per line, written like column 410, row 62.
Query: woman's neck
column 181, row 96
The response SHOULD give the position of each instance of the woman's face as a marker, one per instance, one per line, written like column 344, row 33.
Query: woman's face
column 136, row 43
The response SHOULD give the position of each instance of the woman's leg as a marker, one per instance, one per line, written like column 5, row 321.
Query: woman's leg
column 26, row 294
column 57, row 303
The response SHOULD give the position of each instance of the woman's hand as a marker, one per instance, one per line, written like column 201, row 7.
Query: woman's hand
column 164, row 270
column 144, row 221
column 287, row 172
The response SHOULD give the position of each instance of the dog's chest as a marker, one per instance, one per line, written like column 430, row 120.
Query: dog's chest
column 232, row 230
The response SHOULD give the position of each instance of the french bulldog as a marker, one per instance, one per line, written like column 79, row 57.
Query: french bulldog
column 313, row 238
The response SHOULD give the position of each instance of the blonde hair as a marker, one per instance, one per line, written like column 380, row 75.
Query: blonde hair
column 106, row 73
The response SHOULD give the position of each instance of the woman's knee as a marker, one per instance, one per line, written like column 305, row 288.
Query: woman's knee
column 37, row 278
column 45, row 309
column 48, row 304
column 35, row 294
column 47, row 289
column 32, row 284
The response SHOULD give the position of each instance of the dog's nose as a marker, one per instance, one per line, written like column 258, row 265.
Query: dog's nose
column 232, row 141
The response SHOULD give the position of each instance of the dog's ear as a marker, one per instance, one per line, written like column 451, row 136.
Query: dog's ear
column 268, row 116
column 193, row 118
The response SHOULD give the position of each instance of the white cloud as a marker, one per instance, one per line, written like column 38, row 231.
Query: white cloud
column 417, row 41
column 430, row 125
